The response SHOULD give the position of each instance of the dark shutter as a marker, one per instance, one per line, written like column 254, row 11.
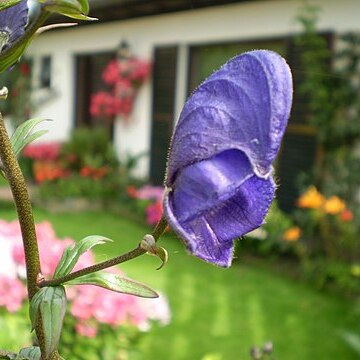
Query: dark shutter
column 300, row 148
column 297, row 157
column 164, row 81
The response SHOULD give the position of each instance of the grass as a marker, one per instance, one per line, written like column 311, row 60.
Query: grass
column 215, row 311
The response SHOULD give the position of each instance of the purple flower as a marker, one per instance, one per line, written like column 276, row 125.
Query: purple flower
column 12, row 24
column 219, row 177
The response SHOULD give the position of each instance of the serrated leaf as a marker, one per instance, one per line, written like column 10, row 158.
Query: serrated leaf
column 31, row 353
column 4, row 4
column 24, row 134
column 115, row 283
column 71, row 255
column 52, row 310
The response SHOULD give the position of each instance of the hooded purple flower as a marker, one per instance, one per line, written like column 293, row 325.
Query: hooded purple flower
column 219, row 177
column 12, row 24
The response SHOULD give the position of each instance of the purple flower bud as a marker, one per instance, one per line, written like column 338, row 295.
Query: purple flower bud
column 219, row 177
column 12, row 24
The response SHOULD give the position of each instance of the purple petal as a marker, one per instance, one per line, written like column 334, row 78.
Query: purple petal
column 12, row 23
column 219, row 180
column 207, row 184
column 209, row 231
column 245, row 105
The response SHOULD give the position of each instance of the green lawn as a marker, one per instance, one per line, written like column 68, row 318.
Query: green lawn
column 217, row 311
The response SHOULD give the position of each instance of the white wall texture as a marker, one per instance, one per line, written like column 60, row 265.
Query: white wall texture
column 242, row 21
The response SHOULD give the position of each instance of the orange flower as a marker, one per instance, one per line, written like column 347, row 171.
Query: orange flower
column 311, row 199
column 346, row 215
column 334, row 205
column 86, row 171
column 292, row 234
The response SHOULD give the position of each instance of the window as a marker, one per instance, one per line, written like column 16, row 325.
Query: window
column 45, row 72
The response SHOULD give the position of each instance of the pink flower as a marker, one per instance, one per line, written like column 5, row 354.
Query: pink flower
column 111, row 74
column 156, row 310
column 149, row 192
column 94, row 303
column 90, row 305
column 102, row 104
column 43, row 151
column 154, row 213
column 85, row 329
column 140, row 70
column 12, row 293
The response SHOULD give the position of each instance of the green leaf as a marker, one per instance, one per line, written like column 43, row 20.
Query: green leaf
column 11, row 55
column 31, row 353
column 115, row 283
column 24, row 134
column 71, row 255
column 4, row 4
column 84, row 6
column 50, row 302
column 34, row 307
column 76, row 9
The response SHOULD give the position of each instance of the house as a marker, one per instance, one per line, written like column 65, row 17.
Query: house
column 186, row 40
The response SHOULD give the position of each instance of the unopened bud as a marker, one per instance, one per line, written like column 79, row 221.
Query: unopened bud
column 148, row 243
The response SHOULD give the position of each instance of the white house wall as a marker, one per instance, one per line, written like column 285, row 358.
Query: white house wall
column 242, row 21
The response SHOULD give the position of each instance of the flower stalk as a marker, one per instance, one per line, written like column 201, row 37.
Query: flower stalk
column 20, row 194
column 138, row 251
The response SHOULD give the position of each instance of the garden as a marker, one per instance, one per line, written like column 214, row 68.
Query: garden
column 214, row 314
column 293, row 288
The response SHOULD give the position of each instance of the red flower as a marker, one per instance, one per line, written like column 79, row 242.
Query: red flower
column 124, row 76
column 24, row 69
column 346, row 215
column 131, row 191
column 111, row 74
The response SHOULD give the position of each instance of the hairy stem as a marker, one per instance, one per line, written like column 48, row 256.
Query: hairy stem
column 157, row 232
column 25, row 215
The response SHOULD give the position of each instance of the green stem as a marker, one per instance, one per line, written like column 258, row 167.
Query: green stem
column 25, row 215
column 157, row 232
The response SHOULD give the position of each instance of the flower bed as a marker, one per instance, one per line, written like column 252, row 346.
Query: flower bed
column 116, row 320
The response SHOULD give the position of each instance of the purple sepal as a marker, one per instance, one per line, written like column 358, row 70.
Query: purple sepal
column 13, row 21
column 219, row 179
column 215, row 201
